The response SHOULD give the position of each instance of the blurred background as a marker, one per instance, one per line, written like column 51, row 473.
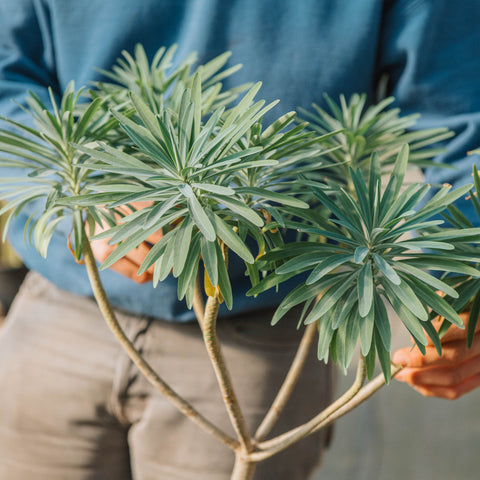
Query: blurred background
column 398, row 434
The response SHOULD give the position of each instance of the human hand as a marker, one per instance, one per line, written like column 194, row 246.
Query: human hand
column 128, row 265
column 449, row 376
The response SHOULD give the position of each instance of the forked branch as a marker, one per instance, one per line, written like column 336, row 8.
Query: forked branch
column 277, row 444
column 109, row 315
column 223, row 376
column 288, row 385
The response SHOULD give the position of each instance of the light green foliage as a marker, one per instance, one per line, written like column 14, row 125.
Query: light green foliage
column 50, row 165
column 363, row 261
column 467, row 287
column 373, row 129
column 192, row 172
column 158, row 83
column 214, row 176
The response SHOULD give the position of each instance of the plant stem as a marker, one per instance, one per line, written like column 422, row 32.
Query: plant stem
column 289, row 383
column 198, row 303
column 364, row 394
column 243, row 469
column 109, row 315
column 277, row 444
column 223, row 376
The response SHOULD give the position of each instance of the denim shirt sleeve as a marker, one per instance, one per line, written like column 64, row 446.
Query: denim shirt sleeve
column 26, row 56
column 429, row 49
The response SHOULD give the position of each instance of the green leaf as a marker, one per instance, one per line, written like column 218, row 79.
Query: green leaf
column 90, row 199
column 146, row 115
column 330, row 296
column 159, row 210
column 164, row 265
column 207, row 187
column 362, row 196
column 78, row 233
column 330, row 235
column 44, row 229
column 209, row 256
column 427, row 278
column 230, row 238
column 366, row 330
column 85, row 119
column 406, row 296
column 186, row 280
column 277, row 197
column 454, row 234
column 325, row 334
column 126, row 246
column 365, row 289
column 147, row 143
column 198, row 213
column 438, row 203
column 345, row 308
column 156, row 252
column 434, row 301
column 326, row 266
column 423, row 244
column 383, row 357
column 473, row 319
column 183, row 240
column 433, row 334
column 466, row 290
column 456, row 217
column 386, row 269
column 296, row 296
column 268, row 282
column 413, row 324
column 400, row 168
column 435, row 262
column 223, row 280
column 240, row 209
column 370, row 360
column 382, row 322
column 360, row 254
column 116, row 158
column 128, row 226
column 346, row 339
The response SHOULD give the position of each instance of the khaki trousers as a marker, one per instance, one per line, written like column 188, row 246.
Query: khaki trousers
column 73, row 407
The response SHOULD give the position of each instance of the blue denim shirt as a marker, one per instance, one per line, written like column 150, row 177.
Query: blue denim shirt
column 299, row 49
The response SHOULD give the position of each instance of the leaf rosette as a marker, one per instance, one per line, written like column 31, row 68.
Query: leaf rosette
column 191, row 172
column 366, row 129
column 51, row 167
column 359, row 261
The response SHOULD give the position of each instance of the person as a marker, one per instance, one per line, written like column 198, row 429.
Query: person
column 72, row 405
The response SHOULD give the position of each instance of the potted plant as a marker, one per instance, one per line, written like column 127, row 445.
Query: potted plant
column 307, row 196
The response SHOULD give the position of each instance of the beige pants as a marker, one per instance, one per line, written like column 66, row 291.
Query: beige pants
column 73, row 407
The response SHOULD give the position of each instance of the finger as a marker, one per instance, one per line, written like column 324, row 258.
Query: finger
column 452, row 352
column 155, row 237
column 454, row 332
column 125, row 266
column 445, row 376
column 450, row 393
column 138, row 254
column 101, row 249
column 129, row 269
